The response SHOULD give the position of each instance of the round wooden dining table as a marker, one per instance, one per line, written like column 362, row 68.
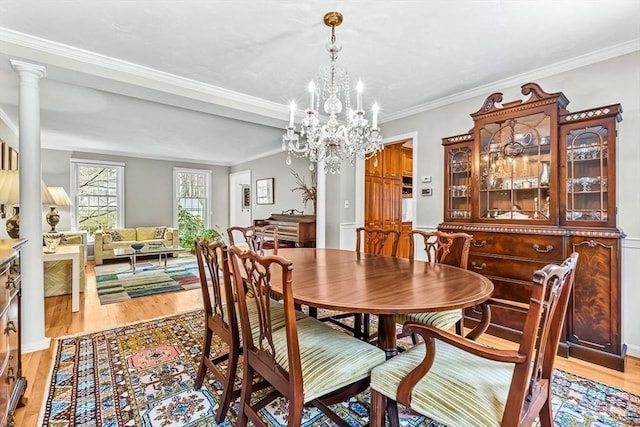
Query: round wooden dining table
column 356, row 282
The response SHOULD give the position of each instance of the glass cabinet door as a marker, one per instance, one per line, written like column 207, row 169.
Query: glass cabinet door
column 587, row 173
column 515, row 169
column 458, row 167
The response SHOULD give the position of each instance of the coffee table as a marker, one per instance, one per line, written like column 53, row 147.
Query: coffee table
column 161, row 250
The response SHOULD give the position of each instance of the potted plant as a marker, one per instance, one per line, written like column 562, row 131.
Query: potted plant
column 192, row 226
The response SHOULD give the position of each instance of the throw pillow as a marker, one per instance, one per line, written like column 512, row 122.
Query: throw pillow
column 159, row 234
column 115, row 236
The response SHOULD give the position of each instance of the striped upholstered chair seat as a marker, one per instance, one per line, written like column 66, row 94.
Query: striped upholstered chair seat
column 330, row 359
column 460, row 389
column 221, row 320
column 441, row 248
column 440, row 319
column 458, row 382
column 306, row 361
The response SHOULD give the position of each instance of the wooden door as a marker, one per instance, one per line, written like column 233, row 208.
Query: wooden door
column 373, row 201
column 392, row 161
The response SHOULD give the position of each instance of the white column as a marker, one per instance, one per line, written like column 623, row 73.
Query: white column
column 32, row 327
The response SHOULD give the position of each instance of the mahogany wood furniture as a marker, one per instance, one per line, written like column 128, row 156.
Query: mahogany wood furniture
column 220, row 320
column 354, row 282
column 533, row 182
column 442, row 248
column 305, row 361
column 378, row 242
column 299, row 230
column 257, row 238
column 12, row 383
column 388, row 179
column 458, row 382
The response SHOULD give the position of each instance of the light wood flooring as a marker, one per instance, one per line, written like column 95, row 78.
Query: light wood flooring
column 59, row 321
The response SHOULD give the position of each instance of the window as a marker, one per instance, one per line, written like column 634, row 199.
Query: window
column 98, row 189
column 192, row 193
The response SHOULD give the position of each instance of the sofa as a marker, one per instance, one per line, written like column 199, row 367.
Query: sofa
column 106, row 240
column 58, row 274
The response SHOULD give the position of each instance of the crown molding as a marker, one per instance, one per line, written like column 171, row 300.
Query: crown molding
column 83, row 61
column 532, row 75
column 8, row 122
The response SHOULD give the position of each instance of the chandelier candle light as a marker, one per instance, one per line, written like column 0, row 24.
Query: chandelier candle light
column 333, row 141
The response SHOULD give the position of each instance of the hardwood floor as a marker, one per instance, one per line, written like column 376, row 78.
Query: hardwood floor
column 59, row 321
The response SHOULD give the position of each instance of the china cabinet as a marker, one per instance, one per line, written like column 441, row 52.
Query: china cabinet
column 533, row 182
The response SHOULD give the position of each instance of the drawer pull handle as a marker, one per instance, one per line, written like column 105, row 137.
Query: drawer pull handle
column 11, row 283
column 479, row 245
column 11, row 327
column 548, row 249
column 478, row 267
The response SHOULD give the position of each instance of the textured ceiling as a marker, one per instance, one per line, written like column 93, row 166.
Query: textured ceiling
column 210, row 80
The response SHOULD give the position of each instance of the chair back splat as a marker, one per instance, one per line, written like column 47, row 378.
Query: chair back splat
column 492, row 387
column 377, row 241
column 256, row 238
column 441, row 247
column 220, row 319
column 305, row 361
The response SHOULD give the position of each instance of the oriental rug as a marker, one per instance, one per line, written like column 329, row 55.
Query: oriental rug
column 117, row 282
column 143, row 375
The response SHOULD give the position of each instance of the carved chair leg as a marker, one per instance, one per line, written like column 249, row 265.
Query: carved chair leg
column 206, row 350
column 245, row 396
column 377, row 409
column 227, row 390
column 546, row 416
column 366, row 327
column 392, row 411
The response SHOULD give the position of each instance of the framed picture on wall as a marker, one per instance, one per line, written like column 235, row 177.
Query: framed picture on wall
column 245, row 197
column 264, row 191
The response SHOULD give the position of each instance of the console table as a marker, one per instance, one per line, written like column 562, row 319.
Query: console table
column 297, row 229
column 71, row 252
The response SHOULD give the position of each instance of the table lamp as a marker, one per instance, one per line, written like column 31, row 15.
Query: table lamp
column 59, row 198
column 10, row 195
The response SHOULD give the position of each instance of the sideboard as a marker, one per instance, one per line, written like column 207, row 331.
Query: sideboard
column 297, row 229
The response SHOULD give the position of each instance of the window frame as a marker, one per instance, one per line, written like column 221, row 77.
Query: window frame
column 207, row 191
column 76, row 164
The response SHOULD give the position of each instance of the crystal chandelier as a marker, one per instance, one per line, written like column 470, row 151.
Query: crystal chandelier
column 332, row 141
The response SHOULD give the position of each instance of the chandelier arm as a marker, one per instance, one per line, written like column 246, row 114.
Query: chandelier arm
column 345, row 134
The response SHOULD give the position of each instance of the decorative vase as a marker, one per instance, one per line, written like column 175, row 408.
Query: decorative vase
column 51, row 241
column 53, row 218
column 544, row 175
column 13, row 224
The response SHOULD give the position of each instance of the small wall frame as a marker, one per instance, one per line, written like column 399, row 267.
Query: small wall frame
column 264, row 191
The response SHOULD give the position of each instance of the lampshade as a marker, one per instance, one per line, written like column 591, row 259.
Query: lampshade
column 9, row 187
column 59, row 197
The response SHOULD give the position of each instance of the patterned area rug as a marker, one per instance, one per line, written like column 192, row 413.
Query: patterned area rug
column 117, row 283
column 143, row 374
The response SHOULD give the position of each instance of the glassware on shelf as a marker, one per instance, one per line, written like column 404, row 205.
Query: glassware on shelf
column 544, row 174
column 587, row 182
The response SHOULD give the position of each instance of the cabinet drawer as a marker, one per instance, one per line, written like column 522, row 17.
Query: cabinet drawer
column 508, row 268
column 519, row 245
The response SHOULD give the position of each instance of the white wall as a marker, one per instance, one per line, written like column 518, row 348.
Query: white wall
column 609, row 82
column 275, row 167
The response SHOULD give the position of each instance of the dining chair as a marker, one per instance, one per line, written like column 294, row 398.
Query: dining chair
column 378, row 242
column 255, row 237
column 220, row 320
column 459, row 382
column 306, row 361
column 441, row 248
